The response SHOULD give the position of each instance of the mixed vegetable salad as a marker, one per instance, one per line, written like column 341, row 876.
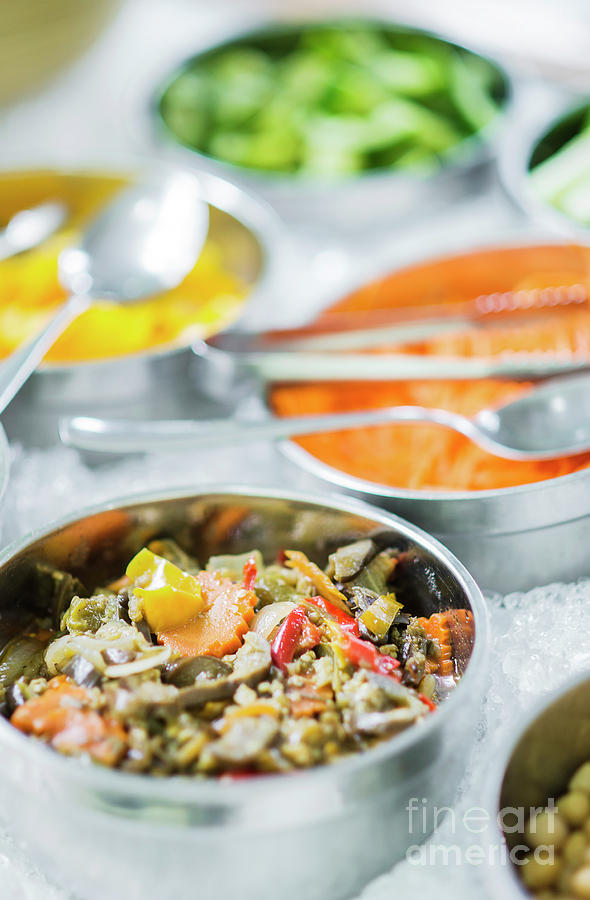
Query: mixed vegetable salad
column 333, row 100
column 560, row 166
column 233, row 669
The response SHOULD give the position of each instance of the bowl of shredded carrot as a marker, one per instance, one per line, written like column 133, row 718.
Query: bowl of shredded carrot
column 431, row 475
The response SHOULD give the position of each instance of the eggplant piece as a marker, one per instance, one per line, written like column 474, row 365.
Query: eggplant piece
column 378, row 723
column 144, row 630
column 116, row 655
column 251, row 665
column 245, row 740
column 82, row 671
column 23, row 656
column 361, row 597
column 252, row 662
column 348, row 561
column 54, row 590
column 14, row 697
column 184, row 672
column 376, row 574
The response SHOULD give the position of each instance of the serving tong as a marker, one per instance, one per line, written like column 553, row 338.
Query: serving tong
column 323, row 351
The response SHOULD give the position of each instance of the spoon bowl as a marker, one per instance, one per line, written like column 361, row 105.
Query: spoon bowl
column 551, row 420
column 145, row 242
column 30, row 227
column 521, row 430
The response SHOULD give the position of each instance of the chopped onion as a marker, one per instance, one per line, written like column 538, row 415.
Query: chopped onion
column 147, row 661
column 265, row 621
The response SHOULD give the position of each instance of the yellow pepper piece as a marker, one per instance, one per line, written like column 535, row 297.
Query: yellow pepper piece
column 171, row 597
column 378, row 617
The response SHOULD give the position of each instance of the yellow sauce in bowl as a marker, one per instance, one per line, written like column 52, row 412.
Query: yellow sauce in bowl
column 208, row 300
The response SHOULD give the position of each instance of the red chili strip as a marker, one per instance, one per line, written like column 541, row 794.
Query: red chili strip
column 365, row 655
column 429, row 703
column 347, row 623
column 296, row 633
column 250, row 573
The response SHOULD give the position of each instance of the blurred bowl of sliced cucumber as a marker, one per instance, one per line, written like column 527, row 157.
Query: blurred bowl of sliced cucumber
column 552, row 180
column 345, row 122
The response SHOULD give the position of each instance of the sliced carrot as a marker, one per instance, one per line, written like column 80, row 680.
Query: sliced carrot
column 62, row 717
column 219, row 629
column 437, row 629
column 295, row 559
column 304, row 707
column 309, row 700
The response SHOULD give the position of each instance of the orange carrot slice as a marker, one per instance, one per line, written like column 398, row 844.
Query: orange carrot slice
column 219, row 629
column 437, row 629
column 61, row 716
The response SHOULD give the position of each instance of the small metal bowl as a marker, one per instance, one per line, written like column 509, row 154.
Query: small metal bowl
column 354, row 203
column 509, row 538
column 157, row 382
column 560, row 120
column 318, row 833
column 534, row 767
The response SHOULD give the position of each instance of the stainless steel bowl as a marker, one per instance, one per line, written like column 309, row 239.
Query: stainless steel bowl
column 356, row 203
column 158, row 382
column 551, row 110
column 536, row 765
column 510, row 539
column 317, row 834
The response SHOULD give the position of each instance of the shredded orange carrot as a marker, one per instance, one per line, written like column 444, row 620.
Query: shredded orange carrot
column 219, row 629
column 418, row 456
column 61, row 716
column 437, row 629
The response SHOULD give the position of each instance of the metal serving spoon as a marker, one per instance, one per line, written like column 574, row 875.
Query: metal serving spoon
column 30, row 227
column 547, row 422
column 143, row 243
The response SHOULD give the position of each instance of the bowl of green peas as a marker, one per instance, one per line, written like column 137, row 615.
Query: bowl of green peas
column 347, row 122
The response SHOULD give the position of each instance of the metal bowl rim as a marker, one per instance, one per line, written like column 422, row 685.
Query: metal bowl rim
column 252, row 212
column 513, row 167
column 372, row 489
column 466, row 153
column 184, row 788
column 315, row 466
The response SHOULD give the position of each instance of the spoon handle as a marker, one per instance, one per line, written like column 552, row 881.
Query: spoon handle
column 17, row 367
column 128, row 436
